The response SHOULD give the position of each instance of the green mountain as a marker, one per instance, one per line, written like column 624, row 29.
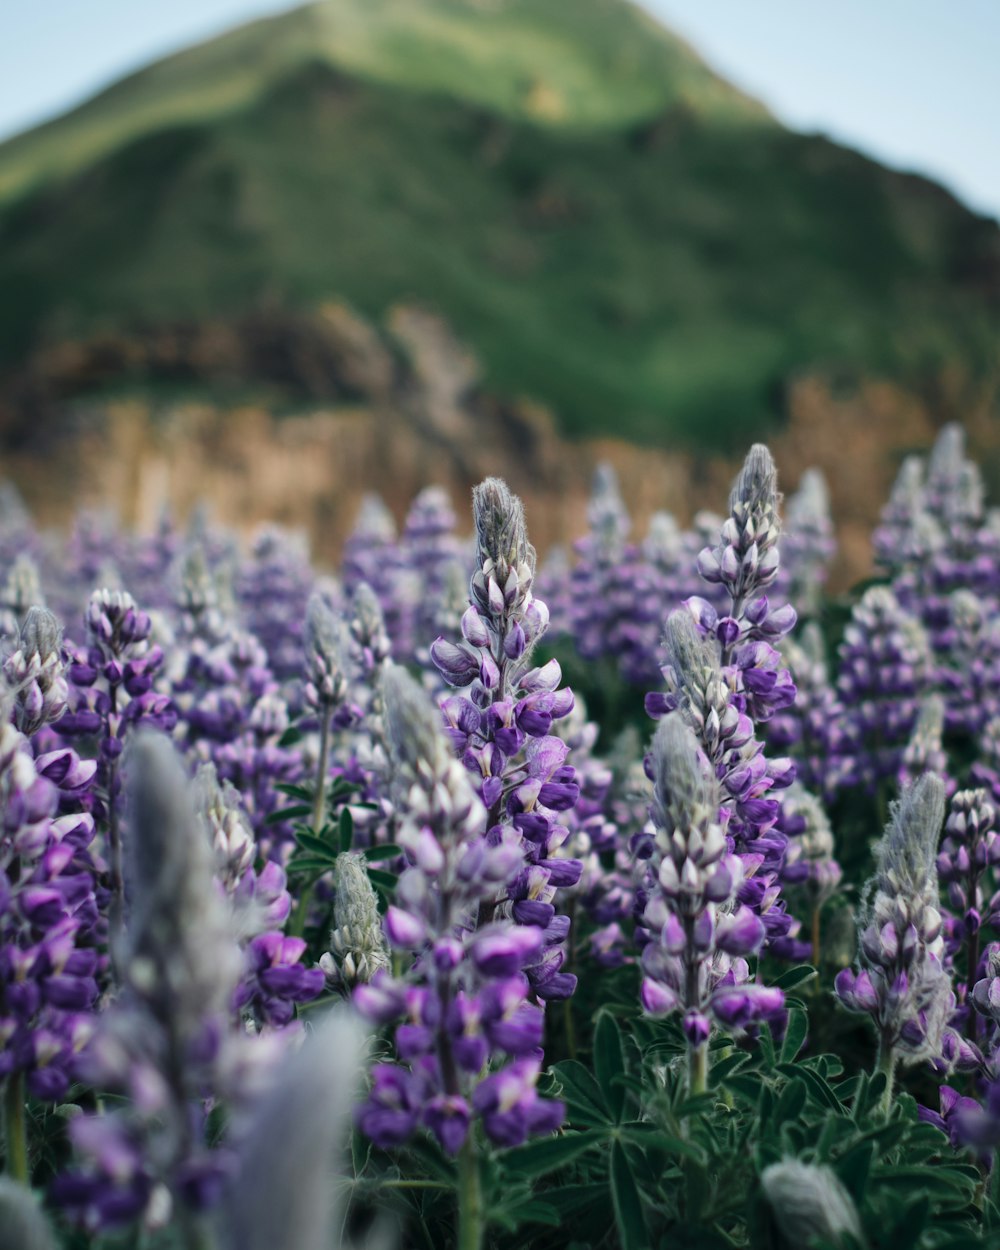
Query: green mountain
column 611, row 227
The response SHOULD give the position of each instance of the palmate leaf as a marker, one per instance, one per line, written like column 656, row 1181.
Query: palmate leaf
column 581, row 1093
column 795, row 1034
column 346, row 829
column 389, row 851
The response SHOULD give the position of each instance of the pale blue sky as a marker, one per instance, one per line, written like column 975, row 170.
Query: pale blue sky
column 913, row 82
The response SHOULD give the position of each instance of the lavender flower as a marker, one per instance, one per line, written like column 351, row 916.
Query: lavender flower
column 903, row 984
column 924, row 752
column 699, row 934
column 968, row 857
column 808, row 545
column 809, row 866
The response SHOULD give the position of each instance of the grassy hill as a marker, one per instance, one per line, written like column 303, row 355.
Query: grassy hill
column 612, row 228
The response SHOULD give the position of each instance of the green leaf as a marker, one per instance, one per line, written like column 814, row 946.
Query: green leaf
column 389, row 851
column 626, row 1201
column 649, row 1137
column 794, row 977
column 382, row 880
column 295, row 812
column 290, row 737
column 933, row 1182
column 609, row 1063
column 908, row 1230
column 853, row 1169
column 795, row 1034
column 346, row 829
column 309, row 864
column 791, row 1103
column 294, row 791
column 581, row 1093
column 315, row 845
column 539, row 1157
column 537, row 1212
column 818, row 1088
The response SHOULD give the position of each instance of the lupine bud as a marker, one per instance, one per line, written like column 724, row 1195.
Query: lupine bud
column 809, row 1203
column 36, row 672
column 23, row 1225
column 284, row 1193
column 326, row 655
column 357, row 945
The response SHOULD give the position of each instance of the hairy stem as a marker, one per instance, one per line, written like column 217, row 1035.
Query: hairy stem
column 319, row 798
column 15, row 1128
column 470, row 1198
column 886, row 1062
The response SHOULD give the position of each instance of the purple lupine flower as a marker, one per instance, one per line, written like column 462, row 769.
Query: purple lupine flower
column 466, row 997
column 372, row 554
column 699, row 688
column 699, row 934
column 49, row 926
column 966, row 863
column 163, row 1043
column 902, row 983
column 809, row 866
column 501, row 727
column 36, row 672
column 430, row 551
column 885, row 669
column 273, row 589
column 967, row 649
column 610, row 584
column 113, row 692
column 924, row 753
column 811, row 729
column 807, row 544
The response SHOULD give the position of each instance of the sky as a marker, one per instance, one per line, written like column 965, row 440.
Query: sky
column 913, row 83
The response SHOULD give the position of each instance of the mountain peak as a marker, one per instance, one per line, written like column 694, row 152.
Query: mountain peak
column 569, row 63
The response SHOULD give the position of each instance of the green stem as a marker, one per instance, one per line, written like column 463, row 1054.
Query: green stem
column 470, row 1198
column 195, row 1231
column 697, row 1069
column 815, row 939
column 16, row 1128
column 886, row 1063
column 319, row 799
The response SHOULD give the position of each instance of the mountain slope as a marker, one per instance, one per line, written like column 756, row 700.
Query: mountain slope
column 651, row 266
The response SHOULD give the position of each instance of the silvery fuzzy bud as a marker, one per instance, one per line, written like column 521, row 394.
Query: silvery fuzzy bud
column 925, row 752
column 685, row 796
column 606, row 513
column 501, row 585
column 367, row 625
column 23, row 1225
column 746, row 557
column 22, row 590
column 809, row 1203
column 414, row 737
column 182, row 959
column 36, row 672
column 229, row 833
column 285, row 1193
column 906, row 855
column 326, row 654
column 903, row 983
column 358, row 949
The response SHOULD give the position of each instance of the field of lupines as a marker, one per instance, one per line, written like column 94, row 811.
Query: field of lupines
column 648, row 898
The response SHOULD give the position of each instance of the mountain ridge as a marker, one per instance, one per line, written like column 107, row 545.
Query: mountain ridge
column 662, row 275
